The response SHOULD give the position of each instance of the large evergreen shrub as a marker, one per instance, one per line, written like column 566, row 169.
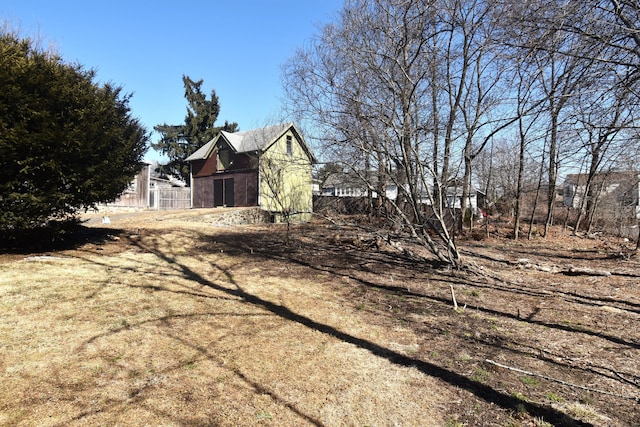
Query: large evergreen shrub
column 66, row 142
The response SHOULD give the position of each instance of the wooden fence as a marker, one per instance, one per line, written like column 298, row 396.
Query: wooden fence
column 170, row 198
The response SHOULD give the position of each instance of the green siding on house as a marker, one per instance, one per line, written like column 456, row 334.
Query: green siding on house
column 285, row 179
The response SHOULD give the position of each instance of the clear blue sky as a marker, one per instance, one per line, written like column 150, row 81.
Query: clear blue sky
column 236, row 46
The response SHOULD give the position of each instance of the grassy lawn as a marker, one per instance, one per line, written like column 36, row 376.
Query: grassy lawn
column 172, row 320
column 166, row 328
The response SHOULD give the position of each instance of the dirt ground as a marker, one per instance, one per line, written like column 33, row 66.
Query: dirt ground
column 171, row 319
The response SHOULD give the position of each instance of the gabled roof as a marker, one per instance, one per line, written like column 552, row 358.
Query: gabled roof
column 249, row 141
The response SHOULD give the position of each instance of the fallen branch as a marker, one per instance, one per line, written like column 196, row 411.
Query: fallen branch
column 533, row 374
column 453, row 296
column 570, row 270
column 583, row 271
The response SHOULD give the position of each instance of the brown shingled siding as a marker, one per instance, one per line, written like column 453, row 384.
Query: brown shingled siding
column 205, row 167
column 245, row 189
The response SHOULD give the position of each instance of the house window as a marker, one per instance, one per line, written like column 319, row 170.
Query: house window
column 223, row 160
column 289, row 145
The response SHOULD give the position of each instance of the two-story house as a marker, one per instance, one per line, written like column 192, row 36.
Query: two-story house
column 267, row 167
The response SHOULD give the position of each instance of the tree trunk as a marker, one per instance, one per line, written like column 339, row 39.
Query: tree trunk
column 552, row 169
column 516, row 221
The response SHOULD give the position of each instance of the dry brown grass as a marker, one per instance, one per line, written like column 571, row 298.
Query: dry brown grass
column 151, row 329
column 174, row 321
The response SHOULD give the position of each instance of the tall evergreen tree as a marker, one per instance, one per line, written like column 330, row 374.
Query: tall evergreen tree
column 66, row 142
column 178, row 142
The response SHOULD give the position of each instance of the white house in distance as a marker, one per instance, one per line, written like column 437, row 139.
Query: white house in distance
column 350, row 185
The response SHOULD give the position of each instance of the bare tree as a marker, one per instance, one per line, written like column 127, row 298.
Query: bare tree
column 528, row 115
column 411, row 92
column 544, row 37
column 589, row 54
column 602, row 118
column 483, row 86
column 368, row 83
column 613, row 25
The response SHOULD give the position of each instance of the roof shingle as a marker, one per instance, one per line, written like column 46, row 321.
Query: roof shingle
column 243, row 142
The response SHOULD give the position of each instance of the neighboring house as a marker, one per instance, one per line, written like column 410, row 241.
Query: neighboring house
column 136, row 195
column 453, row 199
column 268, row 167
column 149, row 191
column 615, row 190
column 343, row 185
column 316, row 185
column 475, row 198
column 351, row 185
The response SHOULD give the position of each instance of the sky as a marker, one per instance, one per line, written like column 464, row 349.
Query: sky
column 237, row 47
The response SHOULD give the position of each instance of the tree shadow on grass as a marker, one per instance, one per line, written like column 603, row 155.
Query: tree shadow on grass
column 62, row 236
column 175, row 274
column 136, row 393
column 477, row 388
column 334, row 259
